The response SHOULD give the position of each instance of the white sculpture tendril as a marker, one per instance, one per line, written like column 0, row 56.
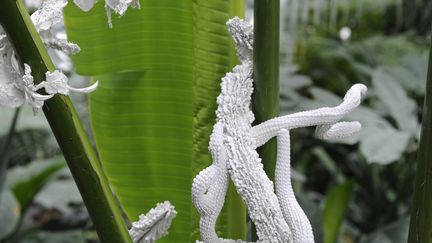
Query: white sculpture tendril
column 233, row 142
column 118, row 6
column 153, row 225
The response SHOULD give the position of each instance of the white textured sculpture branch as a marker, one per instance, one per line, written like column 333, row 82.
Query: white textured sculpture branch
column 233, row 142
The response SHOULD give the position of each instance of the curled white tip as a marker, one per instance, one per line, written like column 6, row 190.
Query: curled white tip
column 356, row 91
column 361, row 87
column 86, row 90
column 338, row 130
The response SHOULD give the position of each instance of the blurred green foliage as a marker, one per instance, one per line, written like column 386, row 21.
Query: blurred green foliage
column 380, row 160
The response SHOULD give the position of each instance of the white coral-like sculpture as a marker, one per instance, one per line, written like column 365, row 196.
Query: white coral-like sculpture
column 277, row 216
column 48, row 16
column 118, row 6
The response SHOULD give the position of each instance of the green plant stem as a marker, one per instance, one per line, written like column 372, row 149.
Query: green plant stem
column 265, row 100
column 66, row 127
column 421, row 213
column 4, row 152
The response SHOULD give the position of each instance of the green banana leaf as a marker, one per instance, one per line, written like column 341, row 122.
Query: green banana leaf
column 159, row 70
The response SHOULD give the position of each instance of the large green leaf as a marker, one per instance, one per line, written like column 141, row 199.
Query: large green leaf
column 159, row 70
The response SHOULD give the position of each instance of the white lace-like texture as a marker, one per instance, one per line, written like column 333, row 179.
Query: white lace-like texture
column 153, row 225
column 45, row 19
column 278, row 216
column 16, row 82
column 117, row 6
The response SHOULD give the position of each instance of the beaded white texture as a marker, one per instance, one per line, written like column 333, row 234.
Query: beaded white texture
column 278, row 216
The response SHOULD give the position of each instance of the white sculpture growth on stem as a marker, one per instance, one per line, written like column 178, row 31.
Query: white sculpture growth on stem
column 278, row 216
column 16, row 81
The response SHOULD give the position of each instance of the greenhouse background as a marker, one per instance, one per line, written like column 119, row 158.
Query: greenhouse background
column 357, row 189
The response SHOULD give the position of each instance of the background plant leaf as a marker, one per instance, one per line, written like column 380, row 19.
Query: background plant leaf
column 59, row 195
column 26, row 120
column 398, row 104
column 335, row 208
column 10, row 212
column 26, row 181
column 383, row 145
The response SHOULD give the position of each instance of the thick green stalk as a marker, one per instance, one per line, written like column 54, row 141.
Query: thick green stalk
column 265, row 100
column 421, row 212
column 66, row 127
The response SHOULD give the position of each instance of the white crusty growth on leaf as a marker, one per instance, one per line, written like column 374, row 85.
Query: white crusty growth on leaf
column 17, row 84
column 153, row 225
column 118, row 6
column 45, row 18
column 233, row 142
